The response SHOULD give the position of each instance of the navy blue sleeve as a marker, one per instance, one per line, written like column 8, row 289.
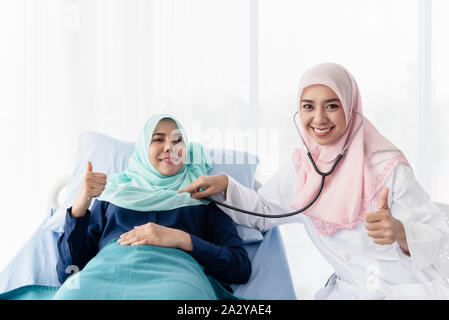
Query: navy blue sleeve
column 79, row 242
column 222, row 254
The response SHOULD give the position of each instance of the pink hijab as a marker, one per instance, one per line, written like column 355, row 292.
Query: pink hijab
column 354, row 188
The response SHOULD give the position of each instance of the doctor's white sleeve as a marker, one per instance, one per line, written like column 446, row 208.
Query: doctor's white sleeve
column 273, row 198
column 425, row 228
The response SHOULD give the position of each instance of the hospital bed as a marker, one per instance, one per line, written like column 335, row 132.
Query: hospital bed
column 35, row 262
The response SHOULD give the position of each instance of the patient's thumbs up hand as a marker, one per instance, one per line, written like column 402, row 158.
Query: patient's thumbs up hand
column 92, row 186
column 94, row 183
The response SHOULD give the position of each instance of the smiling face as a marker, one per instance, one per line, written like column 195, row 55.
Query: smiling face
column 322, row 114
column 167, row 149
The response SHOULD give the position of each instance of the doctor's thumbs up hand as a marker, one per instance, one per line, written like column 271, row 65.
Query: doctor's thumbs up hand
column 383, row 227
column 92, row 186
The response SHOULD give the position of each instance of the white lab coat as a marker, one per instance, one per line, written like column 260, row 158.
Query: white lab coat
column 364, row 269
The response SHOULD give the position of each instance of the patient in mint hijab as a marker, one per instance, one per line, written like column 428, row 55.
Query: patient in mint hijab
column 144, row 240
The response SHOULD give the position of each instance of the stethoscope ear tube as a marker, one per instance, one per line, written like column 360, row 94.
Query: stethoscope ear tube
column 325, row 174
column 322, row 174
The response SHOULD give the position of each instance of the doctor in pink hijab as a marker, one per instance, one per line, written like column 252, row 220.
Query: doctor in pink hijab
column 328, row 98
column 351, row 223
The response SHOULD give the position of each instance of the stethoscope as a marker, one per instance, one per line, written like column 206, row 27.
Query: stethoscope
column 322, row 174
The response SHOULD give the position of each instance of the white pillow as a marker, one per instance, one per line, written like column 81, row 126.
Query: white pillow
column 109, row 155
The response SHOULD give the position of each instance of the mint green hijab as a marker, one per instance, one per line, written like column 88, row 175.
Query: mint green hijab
column 142, row 188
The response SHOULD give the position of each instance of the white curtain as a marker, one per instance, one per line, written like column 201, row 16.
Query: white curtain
column 108, row 65
column 228, row 69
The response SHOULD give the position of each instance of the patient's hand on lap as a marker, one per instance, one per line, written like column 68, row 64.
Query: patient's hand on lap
column 157, row 235
column 92, row 187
